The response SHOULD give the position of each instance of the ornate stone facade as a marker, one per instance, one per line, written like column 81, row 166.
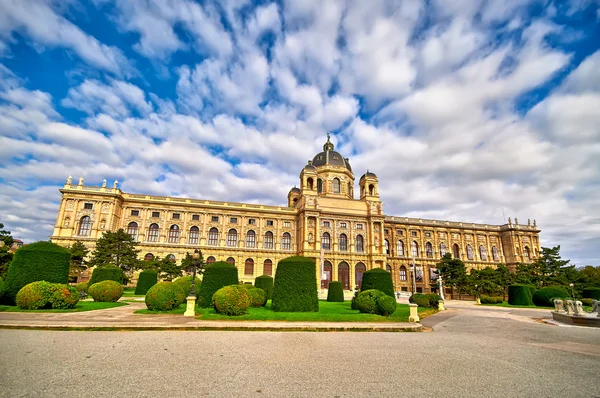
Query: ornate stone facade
column 322, row 220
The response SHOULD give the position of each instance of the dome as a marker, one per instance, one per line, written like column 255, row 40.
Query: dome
column 329, row 157
column 295, row 189
column 369, row 174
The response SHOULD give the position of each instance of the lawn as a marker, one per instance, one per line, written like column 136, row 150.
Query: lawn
column 328, row 312
column 130, row 292
column 505, row 304
column 80, row 307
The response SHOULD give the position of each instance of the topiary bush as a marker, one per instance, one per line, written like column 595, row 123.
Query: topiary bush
column 42, row 294
column 519, row 295
column 81, row 287
column 216, row 276
column 233, row 300
column 106, row 291
column 532, row 289
column 295, row 287
column 353, row 302
column 106, row 273
column 386, row 305
column 588, row 302
column 146, row 280
column 258, row 297
column 1, row 287
column 546, row 295
column 419, row 299
column 265, row 282
column 591, row 292
column 164, row 296
column 375, row 302
column 39, row 261
column 336, row 292
column 434, row 300
column 491, row 299
column 185, row 283
column 63, row 296
column 378, row 279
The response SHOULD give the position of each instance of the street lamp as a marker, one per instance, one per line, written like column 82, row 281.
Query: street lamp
column 572, row 285
column 190, row 309
column 195, row 256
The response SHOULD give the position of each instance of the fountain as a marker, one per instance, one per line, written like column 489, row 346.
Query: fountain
column 571, row 312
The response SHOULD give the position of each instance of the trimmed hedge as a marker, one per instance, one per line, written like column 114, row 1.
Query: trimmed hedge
column 386, row 305
column 519, row 295
column 532, row 289
column 546, row 295
column 258, row 297
column 265, row 282
column 185, row 283
column 42, row 294
column 2, row 286
column 591, row 292
column 491, row 299
column 430, row 300
column 39, row 261
column 233, row 300
column 164, row 296
column 106, row 273
column 82, row 287
column 375, row 302
column 336, row 292
column 353, row 302
column 295, row 287
column 146, row 280
column 378, row 279
column 106, row 291
column 216, row 276
column 588, row 302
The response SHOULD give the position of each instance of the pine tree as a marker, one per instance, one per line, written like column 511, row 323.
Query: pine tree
column 167, row 269
column 78, row 254
column 5, row 255
column 115, row 248
column 453, row 272
column 5, row 236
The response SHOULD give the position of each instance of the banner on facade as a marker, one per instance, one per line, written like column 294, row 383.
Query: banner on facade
column 433, row 274
column 419, row 273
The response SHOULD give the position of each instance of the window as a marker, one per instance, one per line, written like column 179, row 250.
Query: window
column 319, row 185
column 482, row 253
column 85, row 225
column 88, row 206
column 326, row 241
column 232, row 238
column 388, row 268
column 132, row 229
column 399, row 232
column 268, row 243
column 210, row 260
column 233, row 220
column 413, row 233
column 196, row 217
column 268, row 267
column 526, row 254
column 343, row 243
column 135, row 213
column 456, row 251
column 148, row 257
column 360, row 244
column 214, row 218
column 443, row 249
column 174, row 234
column 286, row 241
column 249, row 267
column 495, row 254
column 326, row 224
column 194, row 235
column 359, row 226
column 428, row 250
column 386, row 231
column 403, row 273
column 287, row 224
column 172, row 258
column 400, row 248
column 470, row 254
column 155, row 214
column 231, row 261
column 414, row 247
column 428, row 234
column 252, row 221
column 250, row 239
column 269, row 223
column 343, row 225
column 336, row 185
column 176, row 216
column 387, row 246
column 153, row 233
column 213, row 236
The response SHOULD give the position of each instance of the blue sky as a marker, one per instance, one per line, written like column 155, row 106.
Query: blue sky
column 465, row 109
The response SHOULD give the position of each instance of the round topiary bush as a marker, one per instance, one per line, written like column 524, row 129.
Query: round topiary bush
column 42, row 294
column 419, row 299
column 216, row 276
column 591, row 292
column 39, row 261
column 366, row 302
column 386, row 305
column 106, row 273
column 546, row 295
column 232, row 300
column 519, row 295
column 63, row 296
column 185, row 283
column 434, row 300
column 336, row 292
column 378, row 279
column 491, row 299
column 295, row 287
column 164, row 296
column 258, row 297
column 106, row 291
column 146, row 280
column 588, row 302
column 82, row 287
column 265, row 282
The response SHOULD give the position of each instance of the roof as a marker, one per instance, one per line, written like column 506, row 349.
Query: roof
column 329, row 157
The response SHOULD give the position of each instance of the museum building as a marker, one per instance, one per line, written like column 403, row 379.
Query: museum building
column 322, row 220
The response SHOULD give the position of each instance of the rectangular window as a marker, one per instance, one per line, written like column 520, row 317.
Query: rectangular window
column 252, row 221
column 399, row 232
column 287, row 224
column 359, row 226
column 155, row 214
column 196, row 217
column 269, row 223
column 135, row 213
column 176, row 216
column 88, row 206
column 326, row 224
column 343, row 225
column 233, row 220
column 214, row 219
column 385, row 231
column 428, row 234
column 402, row 274
column 194, row 235
column 413, row 233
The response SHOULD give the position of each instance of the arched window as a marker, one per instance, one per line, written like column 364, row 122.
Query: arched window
column 210, row 260
column 456, row 251
column 250, row 239
column 359, row 270
column 350, row 193
column 249, row 267
column 343, row 243
column 482, row 253
column 174, row 234
column 319, row 185
column 286, row 241
column 213, row 236
column 469, row 252
column 232, row 238
column 268, row 267
column 336, row 185
column 360, row 244
column 132, row 229
column 400, row 248
column 153, row 233
column 443, row 249
column 526, row 254
column 172, row 258
column 326, row 241
column 428, row 250
column 403, row 273
column 310, row 183
column 371, row 189
column 231, row 260
column 328, row 271
column 495, row 254
column 194, row 236
column 414, row 248
column 148, row 257
column 268, row 243
column 344, row 275
column 85, row 225
column 387, row 246
column 388, row 268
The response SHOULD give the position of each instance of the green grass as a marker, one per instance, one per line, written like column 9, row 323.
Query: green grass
column 505, row 304
column 81, row 306
column 130, row 292
column 328, row 312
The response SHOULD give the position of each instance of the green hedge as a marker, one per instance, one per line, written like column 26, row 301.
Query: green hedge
column 42, row 294
column 378, row 279
column 164, row 296
column 491, row 299
column 295, row 287
column 588, row 302
column 546, row 295
column 233, row 300
column 591, row 292
column 375, row 302
column 258, row 297
column 106, row 291
column 106, row 273
column 185, row 283
column 336, row 292
column 430, row 300
column 2, row 287
column 519, row 295
column 39, row 261
column 216, row 276
column 265, row 282
column 146, row 280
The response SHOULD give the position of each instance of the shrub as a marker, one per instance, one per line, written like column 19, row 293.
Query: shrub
column 81, row 287
column 185, row 283
column 546, row 295
column 265, row 282
column 216, row 276
column 106, row 273
column 386, row 305
column 336, row 292
column 258, row 297
column 491, row 299
column 434, row 300
column 295, row 287
column 378, row 279
column 532, row 289
column 39, row 261
column 63, row 296
column 247, row 286
column 232, row 300
column 592, row 292
column 146, row 280
column 519, row 295
column 353, row 302
column 164, row 296
column 419, row 299
column 588, row 302
column 42, row 294
column 106, row 291
column 1, row 287
column 375, row 302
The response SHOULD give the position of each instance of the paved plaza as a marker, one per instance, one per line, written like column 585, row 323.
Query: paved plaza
column 471, row 352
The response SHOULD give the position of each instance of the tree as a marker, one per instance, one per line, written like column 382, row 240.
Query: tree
column 5, row 236
column 504, row 278
column 188, row 262
column 484, row 281
column 165, row 267
column 5, row 255
column 78, row 254
column 453, row 272
column 548, row 269
column 115, row 248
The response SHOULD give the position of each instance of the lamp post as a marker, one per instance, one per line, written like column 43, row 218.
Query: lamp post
column 572, row 285
column 190, row 309
column 414, row 315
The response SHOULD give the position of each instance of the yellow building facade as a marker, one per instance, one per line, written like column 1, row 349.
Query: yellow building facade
column 323, row 219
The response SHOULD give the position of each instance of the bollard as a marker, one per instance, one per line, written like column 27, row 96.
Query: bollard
column 190, row 309
column 441, row 305
column 414, row 316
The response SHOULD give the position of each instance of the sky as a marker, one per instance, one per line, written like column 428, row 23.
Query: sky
column 467, row 110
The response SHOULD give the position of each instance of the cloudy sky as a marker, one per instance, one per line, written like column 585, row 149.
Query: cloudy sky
column 465, row 109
